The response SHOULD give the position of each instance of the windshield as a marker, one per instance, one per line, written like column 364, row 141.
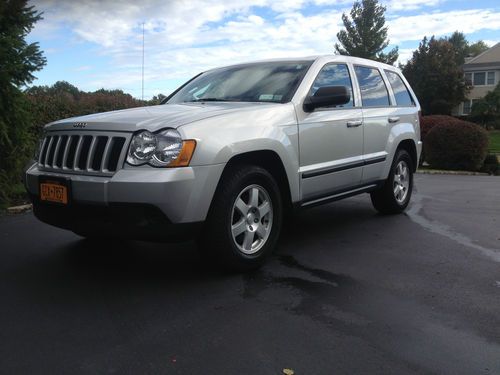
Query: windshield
column 274, row 82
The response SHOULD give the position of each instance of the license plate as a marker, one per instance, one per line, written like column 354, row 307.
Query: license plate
column 54, row 191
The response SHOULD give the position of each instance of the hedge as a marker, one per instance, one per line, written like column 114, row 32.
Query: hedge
column 456, row 145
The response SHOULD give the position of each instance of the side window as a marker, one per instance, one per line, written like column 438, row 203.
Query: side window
column 334, row 75
column 401, row 93
column 372, row 86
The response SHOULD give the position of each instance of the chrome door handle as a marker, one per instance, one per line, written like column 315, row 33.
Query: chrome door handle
column 393, row 120
column 354, row 124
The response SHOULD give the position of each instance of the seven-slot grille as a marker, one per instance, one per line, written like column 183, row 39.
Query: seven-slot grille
column 83, row 153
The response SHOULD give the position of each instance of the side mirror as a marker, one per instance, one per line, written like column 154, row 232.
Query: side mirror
column 327, row 96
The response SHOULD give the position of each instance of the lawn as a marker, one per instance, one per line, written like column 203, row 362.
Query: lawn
column 495, row 141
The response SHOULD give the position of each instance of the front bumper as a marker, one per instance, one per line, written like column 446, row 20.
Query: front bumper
column 180, row 195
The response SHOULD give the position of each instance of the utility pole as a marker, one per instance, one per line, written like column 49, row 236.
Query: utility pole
column 143, row 61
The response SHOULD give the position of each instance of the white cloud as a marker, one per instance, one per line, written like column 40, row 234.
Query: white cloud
column 185, row 37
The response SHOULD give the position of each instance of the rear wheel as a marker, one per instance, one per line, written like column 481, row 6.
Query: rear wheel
column 395, row 194
column 245, row 219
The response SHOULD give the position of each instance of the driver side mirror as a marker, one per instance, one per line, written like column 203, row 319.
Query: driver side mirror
column 327, row 96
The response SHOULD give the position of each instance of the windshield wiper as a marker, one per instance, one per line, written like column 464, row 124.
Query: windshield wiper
column 211, row 100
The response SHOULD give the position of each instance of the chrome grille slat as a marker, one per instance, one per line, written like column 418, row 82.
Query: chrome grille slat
column 83, row 152
column 47, row 153
column 90, row 157
column 105, row 159
column 56, row 152
column 77, row 153
column 66, row 151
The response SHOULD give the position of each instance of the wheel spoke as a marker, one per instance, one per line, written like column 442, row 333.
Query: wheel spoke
column 239, row 227
column 261, row 231
column 397, row 189
column 241, row 206
column 248, row 241
column 264, row 209
column 254, row 197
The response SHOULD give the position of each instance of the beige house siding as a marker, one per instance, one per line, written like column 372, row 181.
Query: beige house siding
column 484, row 72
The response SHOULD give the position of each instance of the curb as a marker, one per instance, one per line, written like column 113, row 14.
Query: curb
column 19, row 209
column 459, row 173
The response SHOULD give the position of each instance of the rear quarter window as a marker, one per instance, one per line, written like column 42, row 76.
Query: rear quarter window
column 401, row 92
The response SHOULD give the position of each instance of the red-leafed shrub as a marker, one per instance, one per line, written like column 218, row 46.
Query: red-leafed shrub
column 456, row 145
column 427, row 123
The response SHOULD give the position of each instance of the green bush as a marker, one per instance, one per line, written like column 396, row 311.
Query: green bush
column 456, row 145
column 491, row 165
column 426, row 124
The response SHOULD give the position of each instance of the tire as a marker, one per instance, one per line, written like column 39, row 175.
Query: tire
column 393, row 197
column 240, row 233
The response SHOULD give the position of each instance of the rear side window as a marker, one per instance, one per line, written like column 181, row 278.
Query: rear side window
column 372, row 86
column 334, row 75
column 401, row 93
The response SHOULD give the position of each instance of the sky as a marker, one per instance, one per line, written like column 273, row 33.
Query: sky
column 98, row 44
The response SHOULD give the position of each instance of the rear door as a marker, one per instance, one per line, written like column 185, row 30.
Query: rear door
column 376, row 104
column 331, row 139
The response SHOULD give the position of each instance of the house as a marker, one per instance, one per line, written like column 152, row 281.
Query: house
column 483, row 73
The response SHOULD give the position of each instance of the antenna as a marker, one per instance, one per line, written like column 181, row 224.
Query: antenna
column 143, row 61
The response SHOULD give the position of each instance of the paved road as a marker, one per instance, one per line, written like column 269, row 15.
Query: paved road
column 348, row 292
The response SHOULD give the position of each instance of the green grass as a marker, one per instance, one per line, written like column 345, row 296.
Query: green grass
column 495, row 142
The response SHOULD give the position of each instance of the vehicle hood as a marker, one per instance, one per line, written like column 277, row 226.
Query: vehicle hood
column 154, row 117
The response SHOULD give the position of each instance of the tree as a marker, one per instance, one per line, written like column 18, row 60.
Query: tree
column 486, row 111
column 435, row 76
column 18, row 61
column 365, row 33
column 463, row 48
column 477, row 48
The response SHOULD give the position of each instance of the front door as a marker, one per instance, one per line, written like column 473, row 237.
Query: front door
column 331, row 140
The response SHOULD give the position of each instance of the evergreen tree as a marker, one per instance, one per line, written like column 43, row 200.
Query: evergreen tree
column 365, row 33
column 435, row 76
column 18, row 61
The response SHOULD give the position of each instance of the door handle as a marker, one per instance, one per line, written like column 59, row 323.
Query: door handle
column 354, row 124
column 393, row 120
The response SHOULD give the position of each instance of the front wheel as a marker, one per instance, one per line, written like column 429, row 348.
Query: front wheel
column 393, row 197
column 245, row 219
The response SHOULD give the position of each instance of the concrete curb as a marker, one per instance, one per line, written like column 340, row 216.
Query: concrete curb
column 460, row 173
column 19, row 209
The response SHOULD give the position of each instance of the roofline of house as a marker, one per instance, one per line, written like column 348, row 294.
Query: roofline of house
column 481, row 54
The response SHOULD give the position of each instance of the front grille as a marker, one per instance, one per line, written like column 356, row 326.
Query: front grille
column 96, row 153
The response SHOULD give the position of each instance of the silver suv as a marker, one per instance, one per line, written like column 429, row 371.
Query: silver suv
column 230, row 153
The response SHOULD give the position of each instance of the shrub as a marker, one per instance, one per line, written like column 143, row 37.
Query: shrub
column 427, row 123
column 491, row 164
column 456, row 145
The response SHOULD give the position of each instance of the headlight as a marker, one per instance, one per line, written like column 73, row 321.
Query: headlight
column 163, row 149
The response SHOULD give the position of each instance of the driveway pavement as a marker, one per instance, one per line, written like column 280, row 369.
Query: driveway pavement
column 348, row 292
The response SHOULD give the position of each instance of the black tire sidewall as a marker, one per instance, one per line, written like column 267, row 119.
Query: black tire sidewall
column 222, row 242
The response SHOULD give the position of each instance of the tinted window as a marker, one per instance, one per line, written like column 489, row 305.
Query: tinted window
column 401, row 93
column 256, row 82
column 372, row 86
column 334, row 75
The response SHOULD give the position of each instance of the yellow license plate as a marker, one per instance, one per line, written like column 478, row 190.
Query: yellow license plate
column 53, row 192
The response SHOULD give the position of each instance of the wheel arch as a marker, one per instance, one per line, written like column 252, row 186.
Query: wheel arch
column 409, row 146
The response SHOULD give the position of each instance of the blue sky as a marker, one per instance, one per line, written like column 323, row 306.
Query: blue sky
column 94, row 44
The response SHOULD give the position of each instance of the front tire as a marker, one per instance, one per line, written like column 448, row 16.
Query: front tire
column 395, row 194
column 245, row 219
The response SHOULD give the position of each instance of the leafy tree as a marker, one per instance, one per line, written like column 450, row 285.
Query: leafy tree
column 463, row 48
column 477, row 48
column 486, row 111
column 18, row 61
column 435, row 76
column 365, row 33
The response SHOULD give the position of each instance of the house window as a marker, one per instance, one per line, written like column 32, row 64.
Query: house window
column 491, row 78
column 479, row 78
column 466, row 107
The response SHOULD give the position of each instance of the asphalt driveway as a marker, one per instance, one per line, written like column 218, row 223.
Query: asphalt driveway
column 348, row 292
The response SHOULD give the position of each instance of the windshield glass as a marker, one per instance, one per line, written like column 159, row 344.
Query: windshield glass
column 274, row 82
